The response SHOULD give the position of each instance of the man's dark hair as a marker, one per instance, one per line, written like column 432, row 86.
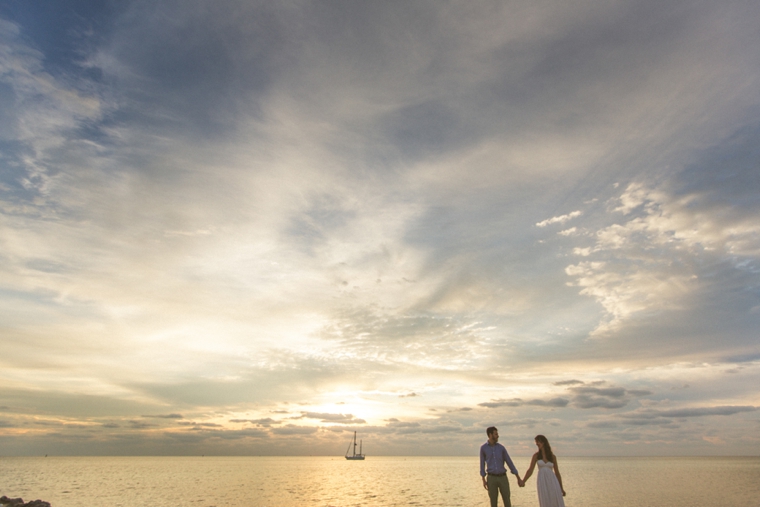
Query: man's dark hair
column 490, row 430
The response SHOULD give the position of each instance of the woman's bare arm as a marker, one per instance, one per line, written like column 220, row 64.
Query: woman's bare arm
column 559, row 477
column 532, row 466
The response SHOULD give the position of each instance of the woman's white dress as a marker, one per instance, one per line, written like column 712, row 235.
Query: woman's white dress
column 549, row 490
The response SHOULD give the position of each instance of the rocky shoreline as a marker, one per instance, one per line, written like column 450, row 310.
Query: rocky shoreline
column 19, row 502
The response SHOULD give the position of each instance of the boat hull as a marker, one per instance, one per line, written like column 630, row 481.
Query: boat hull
column 355, row 458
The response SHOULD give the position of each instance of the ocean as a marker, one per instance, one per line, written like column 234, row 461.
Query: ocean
column 377, row 481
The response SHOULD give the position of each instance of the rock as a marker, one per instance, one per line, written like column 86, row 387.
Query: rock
column 19, row 502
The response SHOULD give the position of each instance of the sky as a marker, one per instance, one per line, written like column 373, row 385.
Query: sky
column 253, row 228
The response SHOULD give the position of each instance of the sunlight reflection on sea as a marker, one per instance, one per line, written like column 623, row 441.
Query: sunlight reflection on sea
column 380, row 481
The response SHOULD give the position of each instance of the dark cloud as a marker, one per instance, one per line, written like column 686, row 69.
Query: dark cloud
column 705, row 411
column 609, row 392
column 395, row 423
column 639, row 392
column 165, row 416
column 599, row 397
column 139, row 425
column 265, row 422
column 241, row 434
column 332, row 418
column 602, row 424
column 664, row 417
column 394, row 426
column 199, row 425
column 527, row 423
column 430, row 429
column 48, row 423
column 291, row 429
column 518, row 402
column 67, row 404
column 515, row 402
column 634, row 421
column 742, row 358
column 554, row 402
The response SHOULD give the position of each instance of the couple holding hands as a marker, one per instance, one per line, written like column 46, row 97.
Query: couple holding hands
column 549, row 482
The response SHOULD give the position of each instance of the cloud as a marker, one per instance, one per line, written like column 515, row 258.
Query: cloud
column 291, row 429
column 430, row 428
column 265, row 422
column 517, row 402
column 395, row 423
column 560, row 220
column 242, row 434
column 410, row 339
column 656, row 259
column 199, row 425
column 40, row 114
column 743, row 358
column 332, row 418
column 587, row 397
column 602, row 424
column 698, row 411
column 139, row 425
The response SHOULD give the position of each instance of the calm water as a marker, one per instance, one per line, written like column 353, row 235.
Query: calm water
column 381, row 481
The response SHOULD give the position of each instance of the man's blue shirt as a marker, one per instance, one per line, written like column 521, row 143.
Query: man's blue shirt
column 495, row 455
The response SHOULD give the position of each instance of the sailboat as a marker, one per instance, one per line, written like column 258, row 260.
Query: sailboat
column 354, row 455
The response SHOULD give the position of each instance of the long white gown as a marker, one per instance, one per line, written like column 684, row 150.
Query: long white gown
column 549, row 490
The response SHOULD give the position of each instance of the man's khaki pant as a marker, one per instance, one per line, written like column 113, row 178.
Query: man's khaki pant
column 498, row 484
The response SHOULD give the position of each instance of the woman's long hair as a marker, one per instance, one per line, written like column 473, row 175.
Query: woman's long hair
column 548, row 454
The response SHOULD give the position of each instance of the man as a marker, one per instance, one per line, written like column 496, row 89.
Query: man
column 495, row 455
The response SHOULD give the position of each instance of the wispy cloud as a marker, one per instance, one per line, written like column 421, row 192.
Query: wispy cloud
column 560, row 219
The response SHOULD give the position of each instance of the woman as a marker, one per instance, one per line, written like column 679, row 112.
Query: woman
column 549, row 482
